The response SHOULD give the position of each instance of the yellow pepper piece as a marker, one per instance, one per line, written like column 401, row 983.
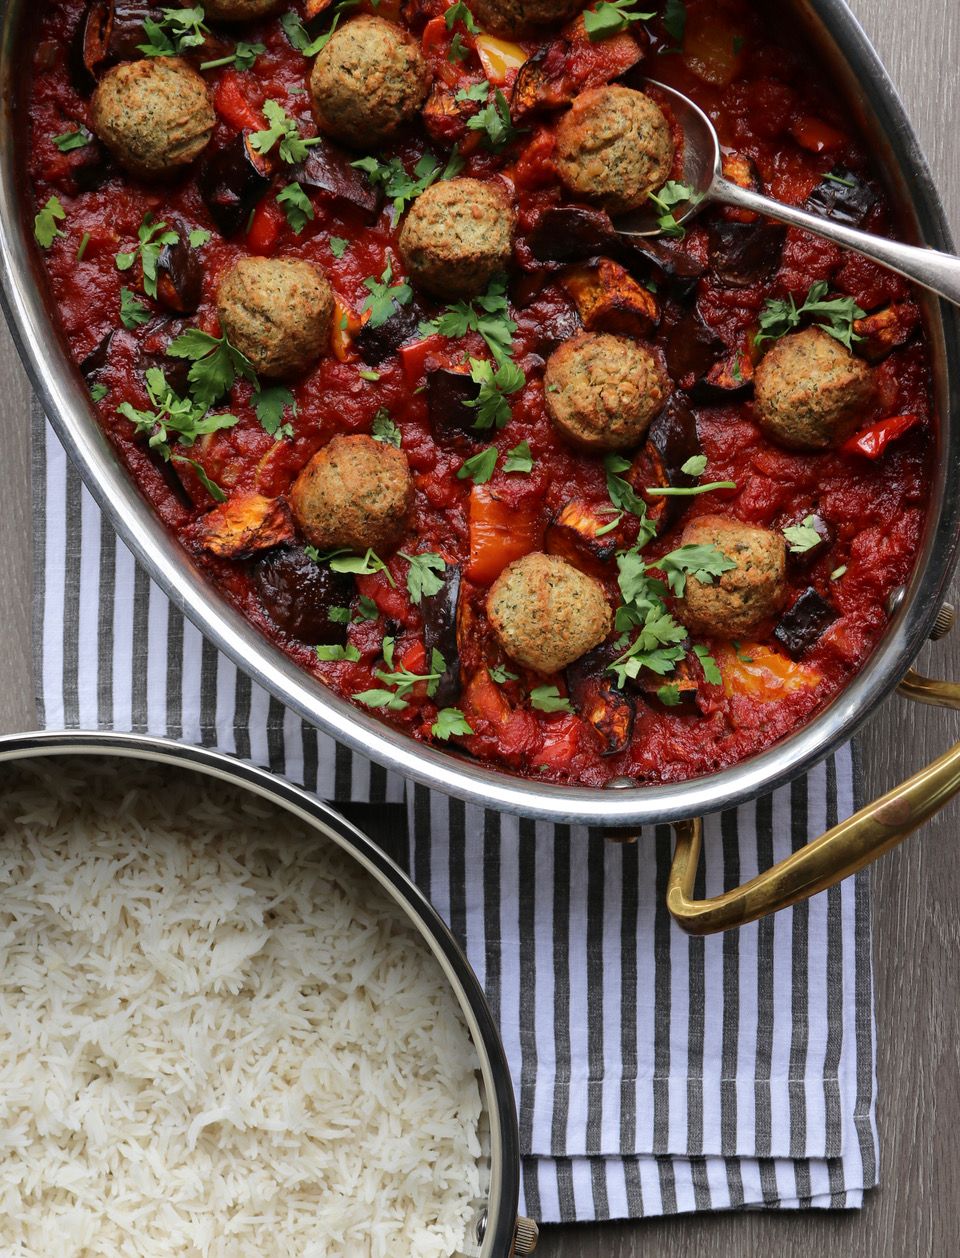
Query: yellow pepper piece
column 498, row 57
column 762, row 673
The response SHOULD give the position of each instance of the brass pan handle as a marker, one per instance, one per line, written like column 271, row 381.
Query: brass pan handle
column 842, row 851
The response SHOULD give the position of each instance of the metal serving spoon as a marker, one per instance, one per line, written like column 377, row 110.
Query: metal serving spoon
column 702, row 172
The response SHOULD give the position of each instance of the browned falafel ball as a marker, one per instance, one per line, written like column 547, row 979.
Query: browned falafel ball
column 614, row 146
column 740, row 600
column 811, row 392
column 547, row 613
column 457, row 236
column 520, row 17
column 277, row 311
column 368, row 81
column 240, row 10
column 154, row 115
column 354, row 493
column 603, row 391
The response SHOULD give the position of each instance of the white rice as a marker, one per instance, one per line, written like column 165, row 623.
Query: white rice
column 217, row 1036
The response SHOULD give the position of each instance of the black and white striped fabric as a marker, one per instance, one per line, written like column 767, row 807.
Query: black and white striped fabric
column 654, row 1073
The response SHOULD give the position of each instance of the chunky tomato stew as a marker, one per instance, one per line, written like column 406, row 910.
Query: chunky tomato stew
column 346, row 286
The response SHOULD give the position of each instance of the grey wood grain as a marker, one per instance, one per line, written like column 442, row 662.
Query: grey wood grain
column 914, row 1213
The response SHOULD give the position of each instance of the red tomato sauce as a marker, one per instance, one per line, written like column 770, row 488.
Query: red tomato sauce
column 774, row 108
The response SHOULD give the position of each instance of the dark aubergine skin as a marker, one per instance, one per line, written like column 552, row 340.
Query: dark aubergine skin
column 439, row 612
column 448, row 393
column 672, row 439
column 231, row 181
column 109, row 32
column 179, row 276
column 376, row 344
column 298, row 594
column 594, row 693
column 567, row 233
column 804, row 623
column 328, row 170
column 744, row 254
column 851, row 201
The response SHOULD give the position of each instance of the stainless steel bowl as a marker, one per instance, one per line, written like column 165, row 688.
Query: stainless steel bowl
column 875, row 105
column 493, row 1230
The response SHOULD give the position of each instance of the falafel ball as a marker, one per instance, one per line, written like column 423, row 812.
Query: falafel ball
column 355, row 493
column 547, row 613
column 739, row 601
column 368, row 81
column 603, row 391
column 240, row 10
column 614, row 146
column 277, row 311
column 811, row 391
column 457, row 236
column 520, row 17
column 155, row 115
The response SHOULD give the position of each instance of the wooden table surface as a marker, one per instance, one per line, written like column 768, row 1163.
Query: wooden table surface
column 914, row 1213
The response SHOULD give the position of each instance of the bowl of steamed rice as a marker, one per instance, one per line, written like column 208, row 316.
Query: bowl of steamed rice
column 230, row 1026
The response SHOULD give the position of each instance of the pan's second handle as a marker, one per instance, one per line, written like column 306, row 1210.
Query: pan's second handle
column 842, row 851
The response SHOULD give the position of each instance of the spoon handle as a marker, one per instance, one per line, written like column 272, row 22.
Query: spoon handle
column 940, row 272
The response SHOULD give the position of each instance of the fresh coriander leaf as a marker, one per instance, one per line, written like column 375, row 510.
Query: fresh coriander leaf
column 666, row 200
column 836, row 316
column 387, row 647
column 496, row 384
column 479, row 468
column 844, row 183
column 338, row 653
column 450, row 721
column 174, row 419
column 837, row 573
column 500, row 675
column 133, row 312
column 475, row 92
column 709, row 665
column 669, row 695
column 299, row 37
column 704, row 562
column 744, row 659
column 98, row 392
column 338, row 246
column 458, row 51
column 82, row 247
column 362, row 565
column 379, row 698
column 802, row 537
column 45, row 227
column 339, row 615
column 548, row 699
column 178, row 30
column 624, row 497
column 519, row 459
column 365, row 374
column 692, row 491
column 384, row 298
column 216, row 364
column 422, row 578
column 366, row 609
column 296, row 205
column 284, row 132
column 243, row 57
column 270, row 404
column 613, row 523
column 610, row 17
column 399, row 186
column 152, row 239
column 70, row 140
column 495, row 122
column 695, row 466
column 199, row 237
column 489, row 315
column 656, row 645
column 675, row 20
column 384, row 429
column 460, row 13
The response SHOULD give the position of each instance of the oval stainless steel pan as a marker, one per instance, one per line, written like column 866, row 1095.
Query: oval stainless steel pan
column 842, row 45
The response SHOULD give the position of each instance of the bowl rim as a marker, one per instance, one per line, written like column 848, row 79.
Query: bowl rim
column 498, row 1096
column 66, row 402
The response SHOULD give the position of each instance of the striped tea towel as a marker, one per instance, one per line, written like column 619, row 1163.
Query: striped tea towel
column 654, row 1073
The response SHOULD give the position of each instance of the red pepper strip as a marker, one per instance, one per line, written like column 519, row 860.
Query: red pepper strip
column 873, row 442
column 231, row 104
column 264, row 232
